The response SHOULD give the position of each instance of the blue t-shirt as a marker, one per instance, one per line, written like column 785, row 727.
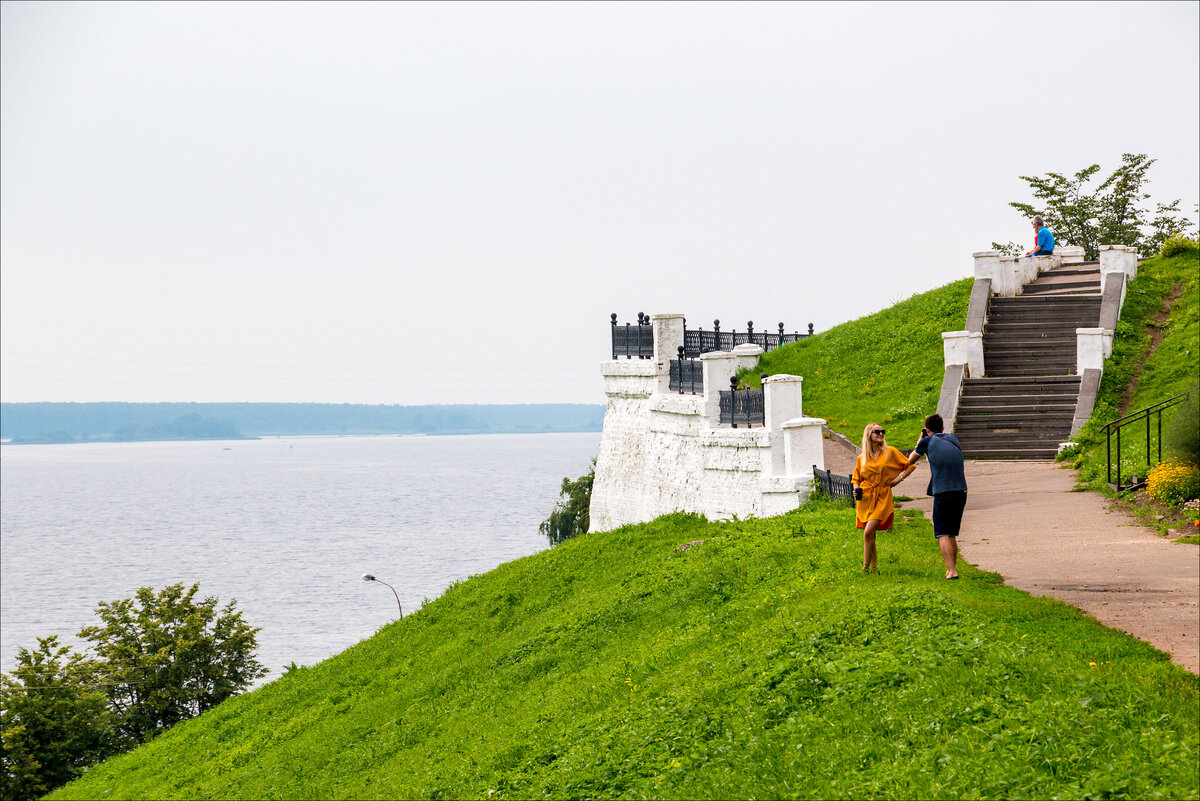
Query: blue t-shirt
column 1045, row 239
column 945, row 462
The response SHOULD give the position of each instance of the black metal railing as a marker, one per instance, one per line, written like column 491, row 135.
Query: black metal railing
column 687, row 375
column 1113, row 431
column 633, row 341
column 833, row 485
column 742, row 406
column 697, row 340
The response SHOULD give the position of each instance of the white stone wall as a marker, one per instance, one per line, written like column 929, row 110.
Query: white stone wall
column 663, row 452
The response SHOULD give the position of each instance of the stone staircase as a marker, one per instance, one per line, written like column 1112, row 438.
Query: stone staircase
column 1024, row 406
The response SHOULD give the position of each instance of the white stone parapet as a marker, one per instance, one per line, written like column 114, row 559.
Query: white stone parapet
column 1092, row 347
column 964, row 347
column 663, row 452
column 1070, row 254
column 1009, row 273
column 1117, row 259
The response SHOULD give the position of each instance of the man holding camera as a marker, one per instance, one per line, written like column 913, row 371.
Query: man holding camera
column 947, row 485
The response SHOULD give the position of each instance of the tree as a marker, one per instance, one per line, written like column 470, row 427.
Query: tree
column 570, row 515
column 1112, row 213
column 54, row 720
column 167, row 657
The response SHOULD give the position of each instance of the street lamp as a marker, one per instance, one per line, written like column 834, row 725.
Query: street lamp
column 369, row 577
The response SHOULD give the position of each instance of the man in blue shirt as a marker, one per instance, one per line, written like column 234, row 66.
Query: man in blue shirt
column 1043, row 243
column 947, row 485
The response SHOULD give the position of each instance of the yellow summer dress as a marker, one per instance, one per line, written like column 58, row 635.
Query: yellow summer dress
column 876, row 503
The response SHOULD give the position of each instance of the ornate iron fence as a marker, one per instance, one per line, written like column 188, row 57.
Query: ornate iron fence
column 687, row 375
column 633, row 341
column 1113, row 431
column 697, row 341
column 833, row 485
column 744, row 406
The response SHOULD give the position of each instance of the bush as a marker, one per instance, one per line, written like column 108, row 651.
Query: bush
column 1174, row 245
column 571, row 515
column 1182, row 437
column 1174, row 482
column 54, row 720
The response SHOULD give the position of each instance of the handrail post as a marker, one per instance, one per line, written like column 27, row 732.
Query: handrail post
column 680, row 350
column 1119, row 458
column 733, row 382
column 810, row 329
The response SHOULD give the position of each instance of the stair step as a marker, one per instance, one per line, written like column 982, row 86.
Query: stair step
column 998, row 454
column 1036, row 288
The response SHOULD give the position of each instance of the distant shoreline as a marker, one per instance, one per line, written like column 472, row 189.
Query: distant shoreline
column 68, row 423
column 258, row 437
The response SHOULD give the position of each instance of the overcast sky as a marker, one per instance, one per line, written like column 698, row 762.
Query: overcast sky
column 443, row 203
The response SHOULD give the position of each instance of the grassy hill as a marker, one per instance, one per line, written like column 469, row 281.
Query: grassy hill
column 760, row 663
column 885, row 368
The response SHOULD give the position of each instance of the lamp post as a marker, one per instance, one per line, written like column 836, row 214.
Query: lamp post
column 369, row 577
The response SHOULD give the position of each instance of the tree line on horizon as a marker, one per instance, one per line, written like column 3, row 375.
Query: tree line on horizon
column 91, row 422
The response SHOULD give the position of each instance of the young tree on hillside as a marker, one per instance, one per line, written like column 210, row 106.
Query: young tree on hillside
column 54, row 720
column 571, row 515
column 1111, row 213
column 166, row 657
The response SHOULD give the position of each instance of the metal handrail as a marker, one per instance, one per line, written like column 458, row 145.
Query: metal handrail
column 1115, row 426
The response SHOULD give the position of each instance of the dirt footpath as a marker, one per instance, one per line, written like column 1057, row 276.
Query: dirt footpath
column 1024, row 522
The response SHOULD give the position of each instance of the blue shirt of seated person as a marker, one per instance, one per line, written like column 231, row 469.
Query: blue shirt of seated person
column 1043, row 244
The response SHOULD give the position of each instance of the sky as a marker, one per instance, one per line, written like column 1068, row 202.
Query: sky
column 411, row 203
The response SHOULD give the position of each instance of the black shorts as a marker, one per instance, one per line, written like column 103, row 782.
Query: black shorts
column 947, row 512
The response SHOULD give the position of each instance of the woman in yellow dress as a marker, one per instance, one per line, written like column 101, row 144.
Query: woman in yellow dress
column 879, row 468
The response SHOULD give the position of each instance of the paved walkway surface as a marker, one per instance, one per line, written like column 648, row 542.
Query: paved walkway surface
column 1024, row 522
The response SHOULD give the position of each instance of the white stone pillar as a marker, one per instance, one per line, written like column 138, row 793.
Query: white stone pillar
column 668, row 336
column 747, row 355
column 719, row 366
column 1117, row 259
column 1070, row 254
column 1040, row 264
column 781, row 401
column 986, row 264
column 802, row 446
column 964, row 347
column 1092, row 347
column 1005, row 283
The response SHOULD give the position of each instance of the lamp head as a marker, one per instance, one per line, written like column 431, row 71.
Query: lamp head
column 368, row 577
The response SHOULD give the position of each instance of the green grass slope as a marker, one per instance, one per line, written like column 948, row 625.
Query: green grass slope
column 1156, row 355
column 884, row 368
column 760, row 663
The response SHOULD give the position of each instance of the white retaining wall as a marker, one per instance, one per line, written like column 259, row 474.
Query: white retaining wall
column 662, row 452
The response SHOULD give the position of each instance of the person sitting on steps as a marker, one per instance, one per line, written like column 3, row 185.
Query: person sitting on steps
column 1043, row 239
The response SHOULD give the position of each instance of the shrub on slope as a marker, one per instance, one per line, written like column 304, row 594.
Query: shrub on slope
column 759, row 663
column 885, row 368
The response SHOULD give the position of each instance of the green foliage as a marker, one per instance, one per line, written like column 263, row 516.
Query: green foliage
column 886, row 367
column 165, row 657
column 1111, row 213
column 759, row 663
column 54, row 723
column 1182, row 438
column 571, row 515
column 1175, row 245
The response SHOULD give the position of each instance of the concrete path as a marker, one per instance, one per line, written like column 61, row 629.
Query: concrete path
column 1024, row 522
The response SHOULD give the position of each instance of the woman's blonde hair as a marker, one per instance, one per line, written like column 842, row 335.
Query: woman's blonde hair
column 868, row 447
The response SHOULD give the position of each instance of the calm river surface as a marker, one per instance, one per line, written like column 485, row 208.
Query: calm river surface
column 286, row 526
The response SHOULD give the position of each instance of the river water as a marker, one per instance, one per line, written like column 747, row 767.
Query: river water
column 287, row 526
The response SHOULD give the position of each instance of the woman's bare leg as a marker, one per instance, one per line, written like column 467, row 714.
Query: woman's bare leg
column 870, row 557
column 949, row 549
